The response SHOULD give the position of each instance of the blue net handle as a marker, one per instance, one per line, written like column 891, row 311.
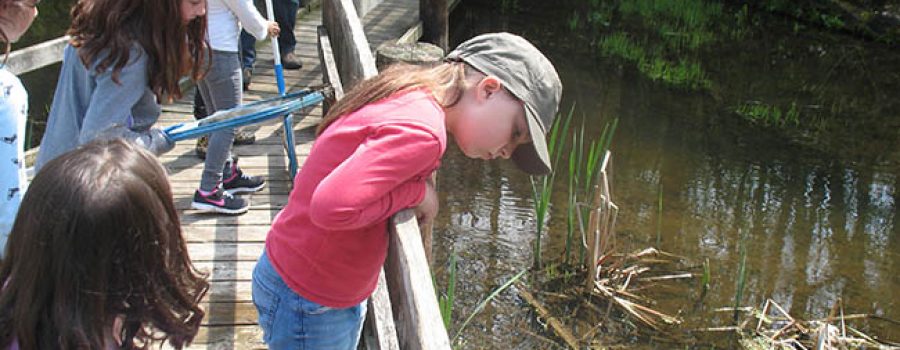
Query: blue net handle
column 251, row 113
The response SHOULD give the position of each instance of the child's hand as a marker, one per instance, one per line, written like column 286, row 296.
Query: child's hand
column 273, row 29
column 427, row 210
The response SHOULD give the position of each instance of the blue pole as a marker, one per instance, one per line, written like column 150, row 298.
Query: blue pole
column 288, row 118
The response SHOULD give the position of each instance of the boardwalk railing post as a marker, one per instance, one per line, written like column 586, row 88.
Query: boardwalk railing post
column 416, row 311
column 435, row 22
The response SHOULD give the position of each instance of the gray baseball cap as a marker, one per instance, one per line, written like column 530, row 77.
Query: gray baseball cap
column 528, row 75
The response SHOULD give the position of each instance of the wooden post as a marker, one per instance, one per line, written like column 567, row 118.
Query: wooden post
column 329, row 69
column 349, row 45
column 418, row 53
column 416, row 311
column 435, row 16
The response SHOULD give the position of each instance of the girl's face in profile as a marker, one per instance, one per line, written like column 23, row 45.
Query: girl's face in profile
column 491, row 121
column 16, row 17
column 191, row 9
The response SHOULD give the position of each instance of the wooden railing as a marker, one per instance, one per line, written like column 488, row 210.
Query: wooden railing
column 36, row 56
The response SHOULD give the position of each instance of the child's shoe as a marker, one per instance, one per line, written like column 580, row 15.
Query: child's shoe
column 238, row 182
column 219, row 201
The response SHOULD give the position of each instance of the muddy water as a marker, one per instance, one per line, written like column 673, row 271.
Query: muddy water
column 817, row 198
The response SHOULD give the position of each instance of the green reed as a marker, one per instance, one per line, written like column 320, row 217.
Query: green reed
column 541, row 193
column 704, row 280
column 484, row 302
column 659, row 214
column 742, row 276
column 447, row 298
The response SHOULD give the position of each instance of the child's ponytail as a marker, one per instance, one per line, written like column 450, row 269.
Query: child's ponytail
column 446, row 81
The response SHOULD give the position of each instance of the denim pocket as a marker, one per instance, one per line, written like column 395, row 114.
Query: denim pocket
column 311, row 308
column 266, row 302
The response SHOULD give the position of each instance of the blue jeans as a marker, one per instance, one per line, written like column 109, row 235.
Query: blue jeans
column 285, row 12
column 290, row 321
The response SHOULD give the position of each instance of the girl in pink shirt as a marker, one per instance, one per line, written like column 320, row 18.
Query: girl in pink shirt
column 376, row 149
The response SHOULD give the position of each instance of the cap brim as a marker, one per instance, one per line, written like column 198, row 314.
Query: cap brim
column 533, row 158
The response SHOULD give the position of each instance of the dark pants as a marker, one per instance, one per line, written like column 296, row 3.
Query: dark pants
column 286, row 16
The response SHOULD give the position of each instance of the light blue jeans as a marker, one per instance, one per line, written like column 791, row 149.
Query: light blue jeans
column 290, row 321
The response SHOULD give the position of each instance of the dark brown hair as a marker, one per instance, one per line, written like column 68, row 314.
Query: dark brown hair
column 97, row 239
column 105, row 30
column 446, row 81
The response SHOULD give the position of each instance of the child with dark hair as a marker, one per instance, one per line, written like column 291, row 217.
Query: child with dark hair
column 96, row 258
column 124, row 58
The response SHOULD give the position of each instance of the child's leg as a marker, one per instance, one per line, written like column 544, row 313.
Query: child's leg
column 290, row 321
column 221, row 89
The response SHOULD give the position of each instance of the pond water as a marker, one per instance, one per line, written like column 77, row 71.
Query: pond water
column 740, row 121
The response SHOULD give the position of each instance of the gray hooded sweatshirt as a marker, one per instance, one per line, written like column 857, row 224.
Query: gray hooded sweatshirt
column 88, row 105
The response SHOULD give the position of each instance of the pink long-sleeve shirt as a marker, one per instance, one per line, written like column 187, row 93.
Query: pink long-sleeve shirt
column 330, row 241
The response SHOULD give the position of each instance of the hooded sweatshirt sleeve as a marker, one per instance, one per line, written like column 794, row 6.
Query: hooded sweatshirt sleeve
column 249, row 17
column 384, row 175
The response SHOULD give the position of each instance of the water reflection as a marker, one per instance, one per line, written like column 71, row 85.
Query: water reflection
column 818, row 202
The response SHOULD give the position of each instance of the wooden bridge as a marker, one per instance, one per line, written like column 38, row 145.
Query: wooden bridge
column 227, row 247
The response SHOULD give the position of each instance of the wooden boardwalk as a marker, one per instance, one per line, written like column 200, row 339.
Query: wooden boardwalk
column 227, row 247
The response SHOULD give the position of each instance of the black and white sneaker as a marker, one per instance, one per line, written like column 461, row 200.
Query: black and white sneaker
column 220, row 201
column 237, row 182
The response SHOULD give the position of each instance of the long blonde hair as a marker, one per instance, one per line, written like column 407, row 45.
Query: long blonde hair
column 446, row 82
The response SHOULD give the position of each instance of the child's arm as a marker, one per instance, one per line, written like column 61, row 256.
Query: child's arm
column 112, row 104
column 250, row 19
column 386, row 174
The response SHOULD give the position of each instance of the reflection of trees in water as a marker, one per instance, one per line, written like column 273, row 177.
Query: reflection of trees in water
column 815, row 235
column 823, row 90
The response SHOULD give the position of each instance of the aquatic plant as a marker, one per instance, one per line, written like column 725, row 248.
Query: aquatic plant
column 485, row 301
column 681, row 73
column 542, row 189
column 659, row 215
column 742, row 275
column 619, row 45
column 705, row 278
column 769, row 115
column 446, row 299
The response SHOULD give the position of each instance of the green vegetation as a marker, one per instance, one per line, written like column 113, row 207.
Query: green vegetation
column 742, row 276
column 584, row 158
column 769, row 115
column 668, row 47
column 484, row 302
column 705, row 278
column 659, row 215
column 542, row 188
column 446, row 299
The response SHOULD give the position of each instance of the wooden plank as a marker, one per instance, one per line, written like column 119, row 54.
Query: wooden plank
column 37, row 56
column 379, row 319
column 364, row 6
column 227, row 271
column 416, row 311
column 243, row 251
column 329, row 66
column 227, row 337
column 351, row 48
